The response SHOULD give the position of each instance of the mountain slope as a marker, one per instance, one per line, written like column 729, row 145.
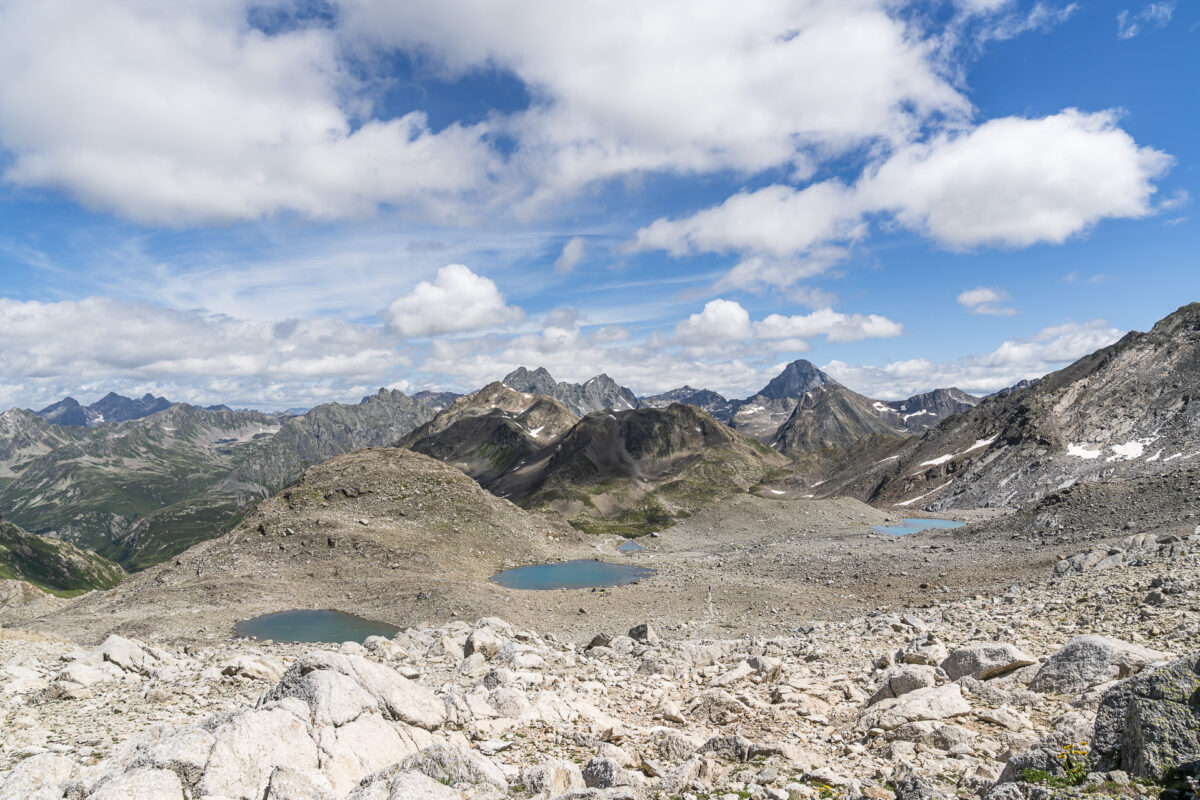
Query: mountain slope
column 141, row 491
column 924, row 411
column 832, row 418
column 637, row 471
column 51, row 564
column 490, row 432
column 110, row 408
column 704, row 399
column 1125, row 411
column 761, row 415
column 595, row 394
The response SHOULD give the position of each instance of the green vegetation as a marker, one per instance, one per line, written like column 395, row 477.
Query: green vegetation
column 1075, row 762
column 52, row 565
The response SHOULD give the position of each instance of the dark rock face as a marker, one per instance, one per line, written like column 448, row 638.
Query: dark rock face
column 1149, row 725
column 596, row 394
column 798, row 377
column 110, row 408
column 67, row 411
column 704, row 399
column 924, row 411
column 1126, row 411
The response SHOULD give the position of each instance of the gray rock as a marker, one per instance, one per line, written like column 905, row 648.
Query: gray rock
column 396, row 697
column 40, row 777
column 1086, row 661
column 144, row 784
column 398, row 784
column 553, row 778
column 984, row 660
column 1151, row 723
column 901, row 680
column 455, row 766
column 643, row 633
column 291, row 784
column 1039, row 759
column 605, row 773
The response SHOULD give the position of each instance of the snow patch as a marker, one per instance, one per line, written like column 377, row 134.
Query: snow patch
column 1127, row 451
column 534, row 433
column 1080, row 451
column 907, row 417
column 936, row 461
column 776, row 491
column 980, row 443
column 880, row 407
column 1172, row 458
column 1155, row 456
column 922, row 497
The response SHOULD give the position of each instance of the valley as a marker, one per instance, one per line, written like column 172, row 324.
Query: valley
column 755, row 544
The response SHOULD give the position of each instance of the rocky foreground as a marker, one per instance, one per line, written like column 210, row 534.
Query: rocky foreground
column 1086, row 682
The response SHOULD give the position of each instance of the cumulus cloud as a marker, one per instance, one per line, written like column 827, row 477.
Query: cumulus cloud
column 1016, row 182
column 683, row 85
column 572, row 253
column 97, row 344
column 1015, row 360
column 1010, row 182
column 182, row 114
column 835, row 326
column 1157, row 15
column 726, row 321
column 720, row 321
column 984, row 300
column 457, row 301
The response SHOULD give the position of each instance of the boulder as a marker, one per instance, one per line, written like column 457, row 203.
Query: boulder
column 1150, row 724
column 553, row 778
column 288, row 783
column 898, row 681
column 455, row 766
column 930, row 703
column 1088, row 660
column 984, row 660
column 605, row 773
column 259, row 668
column 247, row 748
column 643, row 633
column 395, row 783
column 144, row 784
column 362, row 684
column 483, row 641
column 40, row 777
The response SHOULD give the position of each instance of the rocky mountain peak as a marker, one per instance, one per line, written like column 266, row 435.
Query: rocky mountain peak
column 1185, row 318
column 798, row 377
column 538, row 381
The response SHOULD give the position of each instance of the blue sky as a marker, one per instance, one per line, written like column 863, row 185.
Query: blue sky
column 282, row 203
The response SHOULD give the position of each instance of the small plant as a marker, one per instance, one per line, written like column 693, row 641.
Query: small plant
column 1075, row 762
column 826, row 792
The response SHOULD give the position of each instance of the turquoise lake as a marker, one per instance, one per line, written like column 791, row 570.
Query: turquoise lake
column 916, row 525
column 582, row 574
column 332, row 627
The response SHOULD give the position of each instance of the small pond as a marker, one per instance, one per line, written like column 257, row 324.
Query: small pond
column 312, row 626
column 629, row 547
column 916, row 525
column 582, row 574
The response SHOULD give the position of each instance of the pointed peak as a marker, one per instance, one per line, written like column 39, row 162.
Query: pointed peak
column 798, row 377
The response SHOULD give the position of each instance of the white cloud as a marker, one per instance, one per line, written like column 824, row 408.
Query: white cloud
column 721, row 321
column 623, row 86
column 1009, row 182
column 837, row 327
column 1157, row 15
column 1014, row 360
column 572, row 253
column 180, row 113
column 1016, row 182
column 985, row 300
column 98, row 344
column 457, row 301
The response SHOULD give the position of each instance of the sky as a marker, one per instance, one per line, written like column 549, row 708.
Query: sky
column 283, row 203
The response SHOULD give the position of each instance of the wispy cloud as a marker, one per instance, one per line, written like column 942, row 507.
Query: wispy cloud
column 1154, row 15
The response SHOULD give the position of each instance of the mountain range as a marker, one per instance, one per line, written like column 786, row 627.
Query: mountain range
column 139, row 491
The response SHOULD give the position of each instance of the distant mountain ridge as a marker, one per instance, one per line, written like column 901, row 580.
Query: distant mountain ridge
column 1124, row 412
column 595, row 394
column 142, row 490
column 112, row 407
